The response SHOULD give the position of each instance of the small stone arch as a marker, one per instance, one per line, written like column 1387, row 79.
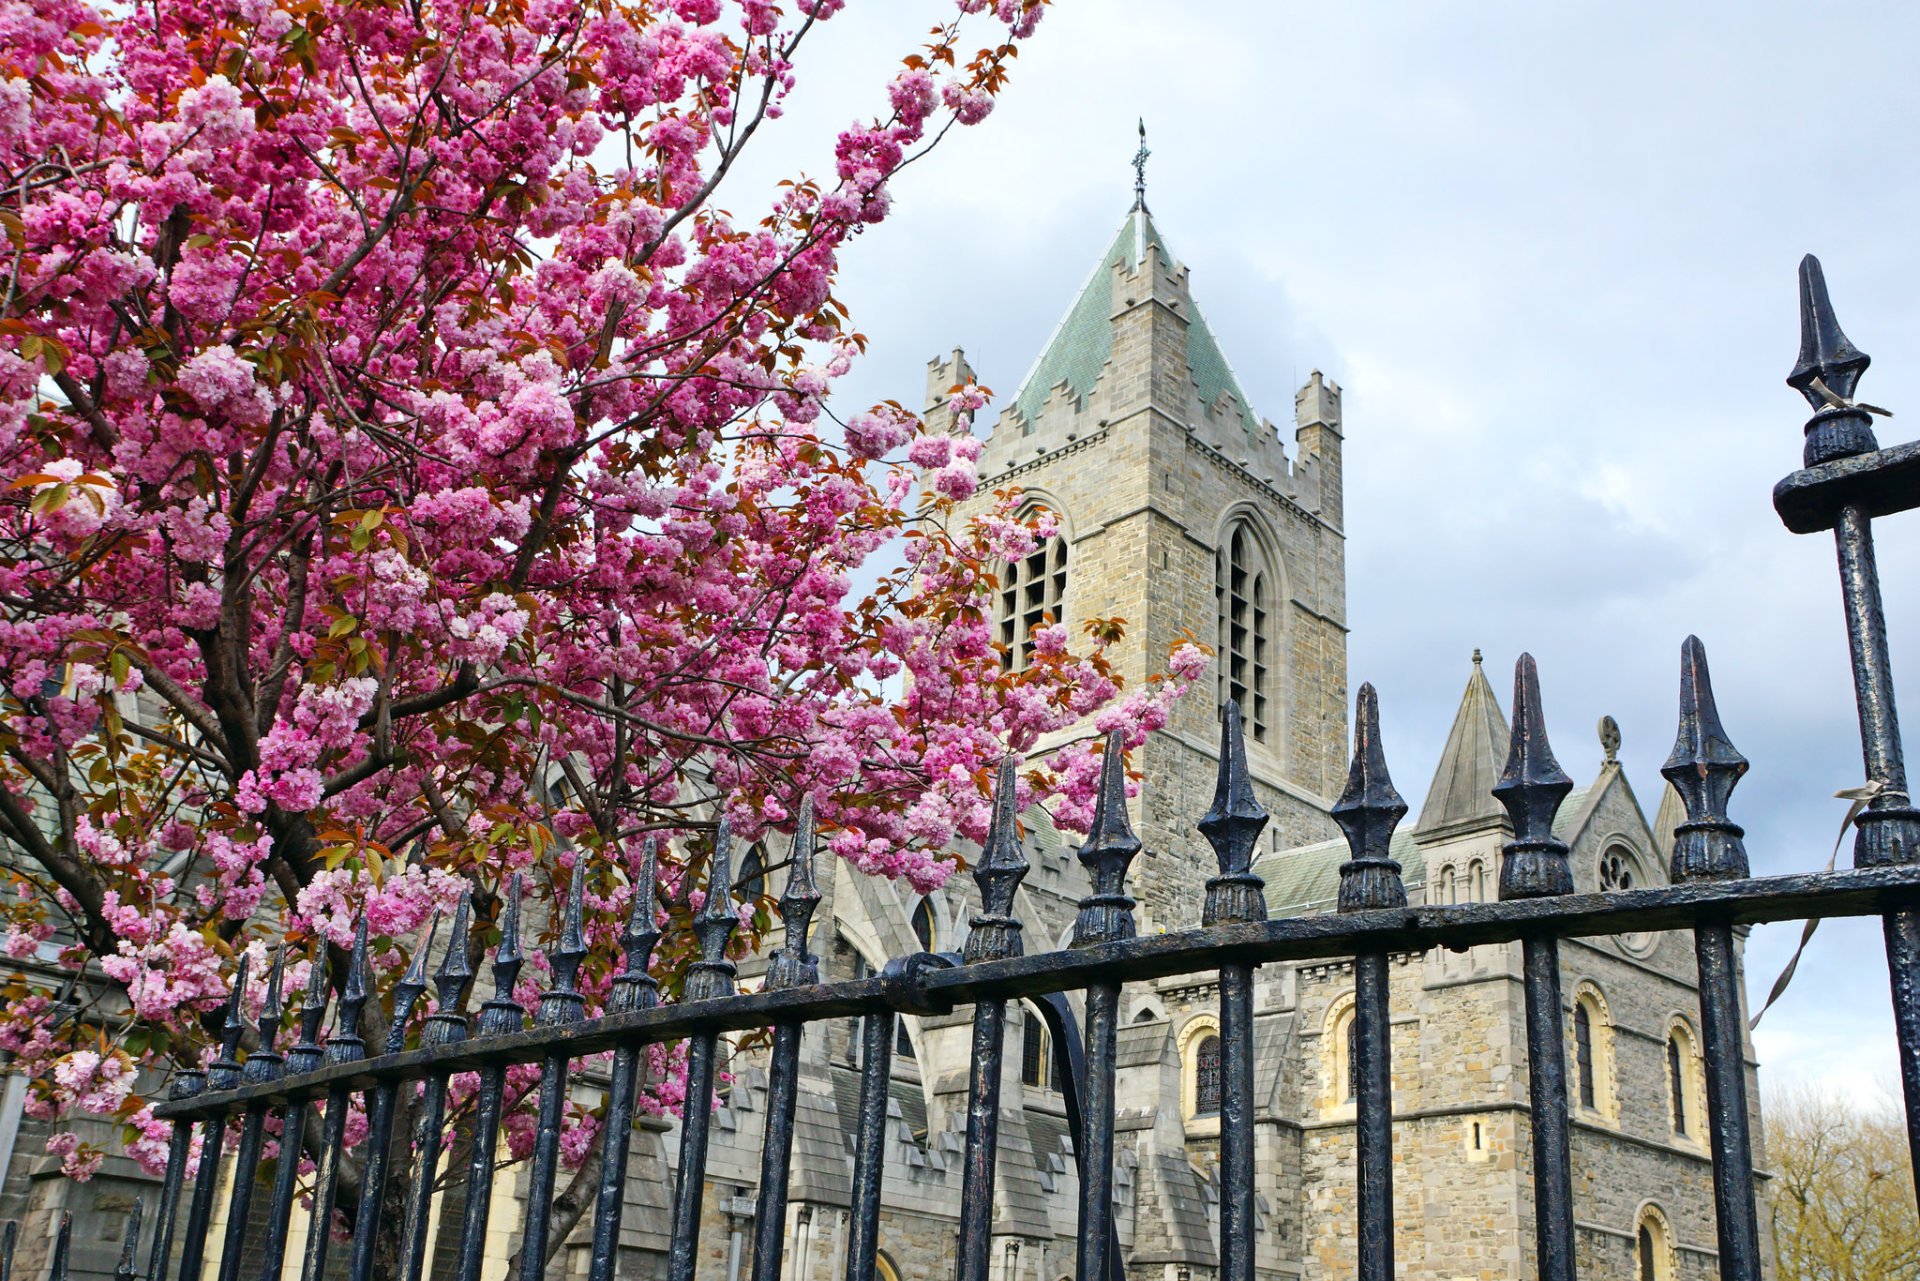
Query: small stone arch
column 1654, row 1255
column 1336, row 1057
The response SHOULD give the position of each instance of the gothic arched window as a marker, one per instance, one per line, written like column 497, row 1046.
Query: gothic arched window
column 1583, row 1052
column 1206, row 1077
column 1033, row 593
column 1676, row 1086
column 753, row 874
column 1034, row 1061
column 923, row 925
column 1245, row 589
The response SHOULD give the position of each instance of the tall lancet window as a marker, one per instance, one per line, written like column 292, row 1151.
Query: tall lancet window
column 1033, row 593
column 1245, row 588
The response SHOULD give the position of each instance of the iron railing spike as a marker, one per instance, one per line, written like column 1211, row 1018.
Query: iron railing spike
column 130, row 1243
column 1002, row 866
column 713, row 925
column 792, row 965
column 562, row 1002
column 345, row 1044
column 1531, row 789
column 1704, row 768
column 411, row 987
column 1368, row 811
column 1233, row 826
column 456, row 964
column 62, row 1247
column 1825, row 351
column 307, row 1053
column 501, row 1013
column 635, row 988
column 8, row 1236
column 224, row 1073
column 274, row 1006
column 1106, row 915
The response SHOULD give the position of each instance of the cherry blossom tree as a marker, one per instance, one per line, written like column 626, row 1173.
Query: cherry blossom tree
column 411, row 476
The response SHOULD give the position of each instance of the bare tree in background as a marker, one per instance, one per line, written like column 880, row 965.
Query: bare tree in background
column 1842, row 1195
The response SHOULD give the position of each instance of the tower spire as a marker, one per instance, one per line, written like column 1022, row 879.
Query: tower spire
column 1140, row 169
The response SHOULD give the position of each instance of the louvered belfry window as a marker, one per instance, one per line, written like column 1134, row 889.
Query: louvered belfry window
column 1032, row 593
column 1246, row 630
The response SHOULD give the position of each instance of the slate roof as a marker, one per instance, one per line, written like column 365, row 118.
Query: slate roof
column 1471, row 762
column 1083, row 340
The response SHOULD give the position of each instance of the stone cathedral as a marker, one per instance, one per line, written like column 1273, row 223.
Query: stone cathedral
column 1182, row 510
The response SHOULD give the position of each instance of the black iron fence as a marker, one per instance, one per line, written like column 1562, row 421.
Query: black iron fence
column 1846, row 482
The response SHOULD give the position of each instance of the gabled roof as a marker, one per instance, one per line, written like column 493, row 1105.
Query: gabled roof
column 1470, row 764
column 1083, row 340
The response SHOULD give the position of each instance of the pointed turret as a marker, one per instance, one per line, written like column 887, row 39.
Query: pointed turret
column 1461, row 796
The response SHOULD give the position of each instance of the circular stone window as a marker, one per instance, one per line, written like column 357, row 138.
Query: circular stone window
column 1620, row 870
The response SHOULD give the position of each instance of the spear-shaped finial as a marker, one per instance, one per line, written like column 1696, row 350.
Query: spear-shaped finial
column 1367, row 812
column 500, row 1012
column 792, row 965
column 129, row 1242
column 714, row 924
column 1106, row 915
column 1233, row 828
column 1002, row 866
column 1704, row 768
column 408, row 991
column 562, row 1003
column 264, row 1064
column 1828, row 371
column 1531, row 788
column 635, row 989
column 306, row 1054
column 224, row 1073
column 345, row 1045
column 447, row 1024
column 1826, row 353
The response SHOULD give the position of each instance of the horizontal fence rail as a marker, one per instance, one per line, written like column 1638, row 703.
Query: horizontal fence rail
column 1711, row 894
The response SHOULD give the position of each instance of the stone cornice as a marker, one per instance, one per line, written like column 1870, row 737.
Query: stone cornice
column 1021, row 469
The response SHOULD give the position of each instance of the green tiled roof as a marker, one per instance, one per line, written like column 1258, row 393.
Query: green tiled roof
column 1083, row 340
column 1306, row 880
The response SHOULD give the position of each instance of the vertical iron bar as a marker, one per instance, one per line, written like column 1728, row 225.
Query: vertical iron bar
column 983, row 1138
column 870, row 1143
column 792, row 965
column 1095, row 1154
column 1233, row 826
column 499, row 1015
column 1531, row 788
column 344, row 1046
column 1106, row 916
column 708, row 978
column 1547, row 1106
column 560, row 1005
column 305, row 1056
column 262, row 1065
column 179, row 1147
column 8, row 1236
column 223, row 1074
column 634, row 989
column 1373, row 1115
column 1721, row 1030
column 1888, row 830
column 1368, row 811
column 382, row 1102
column 1703, row 768
column 445, row 1026
column 995, row 936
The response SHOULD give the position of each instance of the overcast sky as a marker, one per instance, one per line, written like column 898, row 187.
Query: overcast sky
column 1549, row 252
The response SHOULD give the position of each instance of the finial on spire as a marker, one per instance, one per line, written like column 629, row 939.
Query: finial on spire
column 1140, row 169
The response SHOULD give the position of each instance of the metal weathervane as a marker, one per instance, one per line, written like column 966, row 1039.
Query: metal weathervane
column 1140, row 169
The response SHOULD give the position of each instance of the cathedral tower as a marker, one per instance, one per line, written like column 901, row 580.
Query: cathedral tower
column 1182, row 511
